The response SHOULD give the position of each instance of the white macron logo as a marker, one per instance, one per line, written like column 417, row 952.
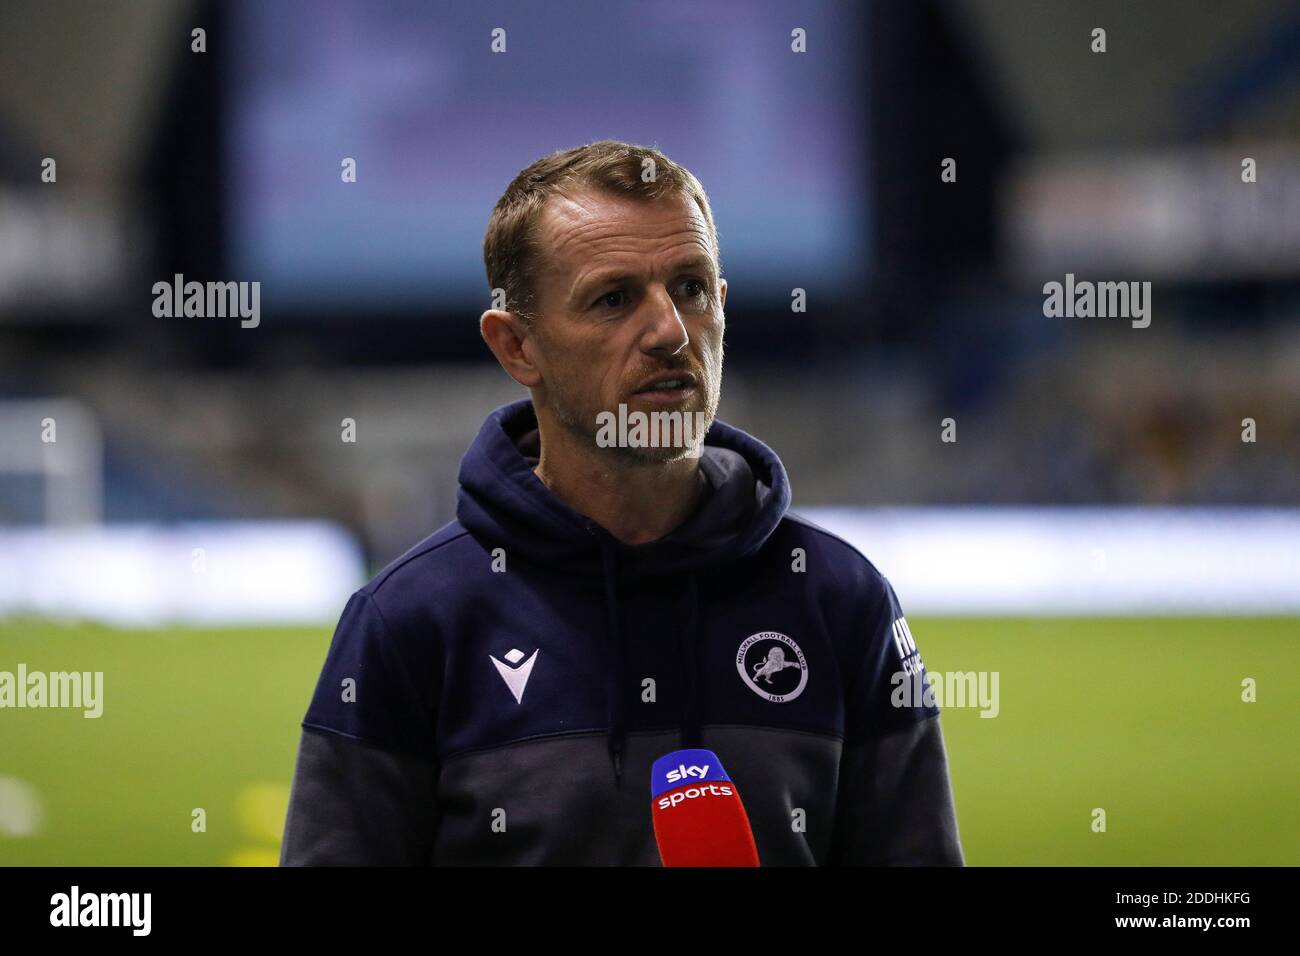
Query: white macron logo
column 515, row 674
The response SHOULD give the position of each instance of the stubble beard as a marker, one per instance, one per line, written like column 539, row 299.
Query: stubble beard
column 585, row 427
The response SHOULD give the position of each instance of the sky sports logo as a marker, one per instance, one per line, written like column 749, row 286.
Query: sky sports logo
column 697, row 813
column 679, row 797
column 688, row 775
column 684, row 772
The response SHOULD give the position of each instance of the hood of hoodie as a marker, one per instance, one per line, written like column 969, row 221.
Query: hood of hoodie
column 501, row 500
column 503, row 503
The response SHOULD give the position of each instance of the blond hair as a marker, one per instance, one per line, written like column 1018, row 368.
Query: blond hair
column 510, row 251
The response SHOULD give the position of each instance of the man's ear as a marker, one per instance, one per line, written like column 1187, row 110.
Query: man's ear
column 722, row 292
column 505, row 334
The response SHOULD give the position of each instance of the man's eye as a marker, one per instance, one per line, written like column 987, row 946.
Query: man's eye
column 700, row 286
column 604, row 299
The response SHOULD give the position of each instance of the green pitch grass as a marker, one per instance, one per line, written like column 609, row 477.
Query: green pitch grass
column 1140, row 718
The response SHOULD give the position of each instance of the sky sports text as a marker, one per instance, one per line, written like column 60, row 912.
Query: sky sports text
column 677, row 797
column 684, row 772
column 103, row 909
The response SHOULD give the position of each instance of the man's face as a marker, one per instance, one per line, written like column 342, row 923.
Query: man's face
column 627, row 292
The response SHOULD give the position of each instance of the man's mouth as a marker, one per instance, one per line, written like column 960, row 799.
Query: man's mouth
column 669, row 387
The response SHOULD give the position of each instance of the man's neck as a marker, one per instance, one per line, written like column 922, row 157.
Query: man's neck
column 635, row 501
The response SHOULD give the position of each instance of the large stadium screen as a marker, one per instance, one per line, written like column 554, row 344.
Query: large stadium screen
column 438, row 124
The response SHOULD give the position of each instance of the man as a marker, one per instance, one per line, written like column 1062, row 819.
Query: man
column 498, row 694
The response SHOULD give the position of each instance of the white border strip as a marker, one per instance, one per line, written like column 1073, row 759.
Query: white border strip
column 1080, row 561
column 210, row 573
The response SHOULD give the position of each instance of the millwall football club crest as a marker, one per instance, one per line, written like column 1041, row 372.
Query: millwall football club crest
column 772, row 666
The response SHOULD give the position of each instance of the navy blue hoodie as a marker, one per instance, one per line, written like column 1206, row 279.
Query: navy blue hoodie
column 498, row 694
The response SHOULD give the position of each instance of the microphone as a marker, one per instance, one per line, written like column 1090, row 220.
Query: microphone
column 698, row 817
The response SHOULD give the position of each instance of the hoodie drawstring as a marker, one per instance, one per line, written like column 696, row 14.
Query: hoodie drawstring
column 690, row 733
column 616, row 741
column 617, row 738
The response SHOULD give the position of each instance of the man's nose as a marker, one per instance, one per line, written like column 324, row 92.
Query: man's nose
column 665, row 331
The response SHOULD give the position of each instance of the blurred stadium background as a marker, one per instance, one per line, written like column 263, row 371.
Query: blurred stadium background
column 1100, row 535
